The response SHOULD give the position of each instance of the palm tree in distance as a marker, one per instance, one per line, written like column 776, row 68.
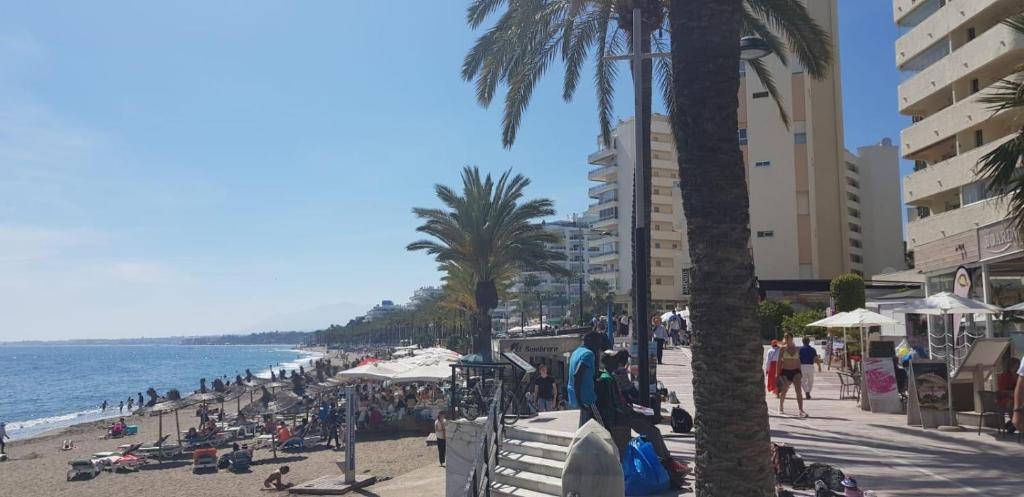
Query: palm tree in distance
column 1000, row 166
column 490, row 233
column 731, row 423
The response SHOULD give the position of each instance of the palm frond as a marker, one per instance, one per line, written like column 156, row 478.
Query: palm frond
column 811, row 44
column 1001, row 167
column 765, row 76
column 1005, row 94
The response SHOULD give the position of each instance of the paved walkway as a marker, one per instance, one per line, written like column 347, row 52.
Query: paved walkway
column 880, row 450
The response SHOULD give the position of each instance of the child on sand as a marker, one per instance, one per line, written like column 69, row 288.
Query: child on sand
column 275, row 480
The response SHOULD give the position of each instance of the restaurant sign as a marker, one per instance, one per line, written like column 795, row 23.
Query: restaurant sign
column 998, row 239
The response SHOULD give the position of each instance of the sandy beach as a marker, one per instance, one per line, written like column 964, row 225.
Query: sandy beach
column 37, row 468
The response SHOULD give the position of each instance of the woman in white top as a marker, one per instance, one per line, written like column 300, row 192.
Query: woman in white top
column 442, row 435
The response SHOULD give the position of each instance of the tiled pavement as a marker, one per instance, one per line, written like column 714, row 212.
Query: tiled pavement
column 880, row 450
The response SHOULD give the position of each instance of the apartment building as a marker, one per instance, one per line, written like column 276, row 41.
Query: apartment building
column 951, row 52
column 873, row 209
column 559, row 295
column 797, row 176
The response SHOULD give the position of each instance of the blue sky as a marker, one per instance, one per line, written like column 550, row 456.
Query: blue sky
column 223, row 166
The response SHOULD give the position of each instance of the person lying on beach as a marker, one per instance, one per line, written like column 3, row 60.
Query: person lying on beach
column 275, row 480
column 67, row 445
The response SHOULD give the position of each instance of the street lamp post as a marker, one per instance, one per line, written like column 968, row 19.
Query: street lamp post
column 751, row 48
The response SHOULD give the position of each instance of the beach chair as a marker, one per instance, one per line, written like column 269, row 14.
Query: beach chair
column 127, row 462
column 203, row 459
column 294, row 443
column 240, row 461
column 82, row 467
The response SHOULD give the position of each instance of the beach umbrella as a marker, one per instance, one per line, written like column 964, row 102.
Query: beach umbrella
column 173, row 404
column 271, row 404
column 857, row 318
column 1014, row 308
column 368, row 360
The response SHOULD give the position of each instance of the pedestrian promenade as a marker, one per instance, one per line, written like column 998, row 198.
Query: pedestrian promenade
column 880, row 450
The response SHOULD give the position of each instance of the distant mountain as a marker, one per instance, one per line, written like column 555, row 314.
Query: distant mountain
column 315, row 318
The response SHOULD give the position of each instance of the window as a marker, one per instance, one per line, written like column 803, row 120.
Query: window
column 657, row 191
column 919, row 165
column 856, row 258
column 855, row 243
column 657, row 281
column 852, row 182
column 763, row 163
column 974, row 192
column 800, row 138
column 971, row 34
column 657, row 227
column 852, row 167
column 743, row 136
column 853, row 197
column 675, row 245
column 657, row 262
column 765, row 234
column 656, row 208
column 760, row 94
column 854, row 227
column 657, row 244
column 975, row 86
column 853, row 212
column 979, row 138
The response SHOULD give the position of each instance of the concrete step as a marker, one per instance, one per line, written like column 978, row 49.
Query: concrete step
column 539, row 435
column 539, row 449
column 533, row 464
column 528, row 480
column 501, row 490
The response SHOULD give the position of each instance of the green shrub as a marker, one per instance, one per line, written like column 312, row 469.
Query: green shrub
column 847, row 292
column 770, row 314
column 797, row 323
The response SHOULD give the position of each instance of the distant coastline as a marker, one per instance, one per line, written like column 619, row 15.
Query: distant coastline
column 284, row 338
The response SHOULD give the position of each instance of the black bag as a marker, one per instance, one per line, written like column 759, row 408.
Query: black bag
column 682, row 422
column 788, row 466
column 832, row 476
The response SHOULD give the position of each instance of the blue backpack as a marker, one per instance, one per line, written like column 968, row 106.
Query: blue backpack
column 642, row 469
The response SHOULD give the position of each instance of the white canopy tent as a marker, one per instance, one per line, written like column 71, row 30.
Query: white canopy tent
column 430, row 364
column 861, row 319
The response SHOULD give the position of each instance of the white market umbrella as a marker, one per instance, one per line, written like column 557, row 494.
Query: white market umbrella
column 943, row 304
column 857, row 318
column 375, row 371
column 1014, row 308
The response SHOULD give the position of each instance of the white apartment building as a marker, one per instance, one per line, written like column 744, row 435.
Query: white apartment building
column 873, row 209
column 559, row 295
column 951, row 52
column 797, row 176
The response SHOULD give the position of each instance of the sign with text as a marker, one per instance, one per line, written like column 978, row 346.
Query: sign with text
column 880, row 382
column 998, row 239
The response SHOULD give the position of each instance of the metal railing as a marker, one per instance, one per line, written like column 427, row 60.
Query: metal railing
column 481, row 474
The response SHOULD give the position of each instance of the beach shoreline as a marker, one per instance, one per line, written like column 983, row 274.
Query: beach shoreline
column 65, row 425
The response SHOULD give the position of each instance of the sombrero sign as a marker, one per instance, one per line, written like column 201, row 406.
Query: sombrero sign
column 998, row 239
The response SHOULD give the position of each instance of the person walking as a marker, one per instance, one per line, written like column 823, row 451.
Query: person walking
column 544, row 390
column 120, row 407
column 674, row 328
column 103, row 406
column 789, row 371
column 659, row 336
column 808, row 360
column 771, row 368
column 624, row 325
column 442, row 437
column 583, row 371
column 3, row 436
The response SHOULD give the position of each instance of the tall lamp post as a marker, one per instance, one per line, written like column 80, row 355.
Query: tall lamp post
column 751, row 48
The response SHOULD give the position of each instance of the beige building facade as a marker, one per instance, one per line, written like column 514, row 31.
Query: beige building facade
column 797, row 177
column 951, row 52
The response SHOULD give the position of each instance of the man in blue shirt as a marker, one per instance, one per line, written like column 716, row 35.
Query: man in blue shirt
column 582, row 371
column 808, row 359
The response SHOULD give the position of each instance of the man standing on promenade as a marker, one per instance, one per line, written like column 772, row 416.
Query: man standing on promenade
column 674, row 328
column 808, row 359
column 582, row 370
column 544, row 390
column 1018, row 400
column 3, row 435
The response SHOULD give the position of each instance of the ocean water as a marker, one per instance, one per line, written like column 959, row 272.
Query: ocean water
column 43, row 387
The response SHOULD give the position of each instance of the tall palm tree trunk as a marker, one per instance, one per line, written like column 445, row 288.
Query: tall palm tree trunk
column 732, row 441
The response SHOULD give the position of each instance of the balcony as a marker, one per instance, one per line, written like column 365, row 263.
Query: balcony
column 663, row 217
column 947, row 175
column 901, row 9
column 667, row 253
column 995, row 49
column 951, row 222
column 603, row 157
column 940, row 22
column 603, row 271
column 946, row 123
column 606, row 223
column 663, row 234
column 596, row 191
column 606, row 173
column 606, row 257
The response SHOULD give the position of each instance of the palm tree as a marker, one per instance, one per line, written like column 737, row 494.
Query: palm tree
column 1000, row 166
column 732, row 418
column 489, row 233
column 600, row 293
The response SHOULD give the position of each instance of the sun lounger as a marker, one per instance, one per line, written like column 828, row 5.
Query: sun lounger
column 128, row 462
column 82, row 467
column 204, row 459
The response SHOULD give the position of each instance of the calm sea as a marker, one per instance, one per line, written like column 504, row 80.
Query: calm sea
column 43, row 387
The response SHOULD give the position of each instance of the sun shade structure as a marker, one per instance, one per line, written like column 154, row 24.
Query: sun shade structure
column 861, row 319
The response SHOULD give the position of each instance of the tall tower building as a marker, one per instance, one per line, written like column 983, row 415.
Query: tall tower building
column 950, row 53
column 797, row 176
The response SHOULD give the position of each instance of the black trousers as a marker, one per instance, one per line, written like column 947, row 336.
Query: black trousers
column 442, row 446
column 661, row 347
column 333, row 435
